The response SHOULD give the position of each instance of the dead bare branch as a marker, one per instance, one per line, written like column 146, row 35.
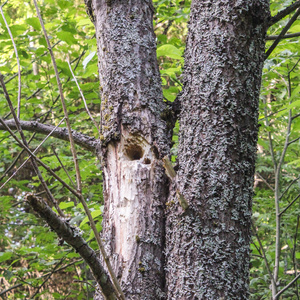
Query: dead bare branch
column 82, row 140
column 73, row 237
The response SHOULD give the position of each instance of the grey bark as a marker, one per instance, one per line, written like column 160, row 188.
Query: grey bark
column 134, row 139
column 207, row 246
column 89, row 143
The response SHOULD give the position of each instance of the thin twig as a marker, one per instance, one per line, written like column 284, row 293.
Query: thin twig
column 34, row 164
column 62, row 165
column 283, row 193
column 277, row 190
column 290, row 204
column 286, row 287
column 70, row 235
column 263, row 253
column 293, row 141
column 283, row 32
column 87, row 211
column 73, row 150
column 270, row 137
column 265, row 181
column 3, row 292
column 18, row 62
column 39, row 161
column 294, row 254
column 283, row 13
column 61, row 133
column 287, row 36
column 47, row 278
column 86, row 282
column 296, row 116
column 16, row 159
column 84, row 101
column 36, row 149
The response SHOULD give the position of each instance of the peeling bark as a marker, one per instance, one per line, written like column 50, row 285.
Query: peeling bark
column 207, row 246
column 134, row 139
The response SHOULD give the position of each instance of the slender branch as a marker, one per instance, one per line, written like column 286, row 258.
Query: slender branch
column 294, row 254
column 36, row 149
column 290, row 204
column 83, row 98
column 34, row 163
column 62, row 165
column 39, row 161
column 265, row 181
column 287, row 286
column 86, row 282
column 3, row 292
column 263, row 254
column 283, row 13
column 282, row 33
column 47, row 278
column 271, row 149
column 87, row 211
column 271, row 114
column 283, row 193
column 277, row 190
column 287, row 36
column 296, row 116
column 114, row 279
column 73, row 237
column 16, row 159
column 61, row 133
column 293, row 141
column 18, row 63
column 73, row 150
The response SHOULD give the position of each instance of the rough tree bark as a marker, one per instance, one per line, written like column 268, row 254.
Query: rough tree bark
column 134, row 140
column 207, row 245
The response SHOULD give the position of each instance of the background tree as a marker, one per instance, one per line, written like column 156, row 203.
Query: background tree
column 224, row 53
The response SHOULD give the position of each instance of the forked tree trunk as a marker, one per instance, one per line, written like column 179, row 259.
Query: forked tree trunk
column 208, row 244
column 134, row 139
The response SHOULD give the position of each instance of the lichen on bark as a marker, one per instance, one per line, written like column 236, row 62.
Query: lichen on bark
column 134, row 139
column 207, row 247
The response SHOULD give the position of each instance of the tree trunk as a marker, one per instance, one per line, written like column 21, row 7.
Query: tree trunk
column 207, row 245
column 134, row 139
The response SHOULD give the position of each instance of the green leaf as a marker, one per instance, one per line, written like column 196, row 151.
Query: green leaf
column 263, row 143
column 5, row 256
column 67, row 37
column 64, row 205
column 294, row 29
column 94, row 214
column 34, row 22
column 170, row 51
column 84, row 22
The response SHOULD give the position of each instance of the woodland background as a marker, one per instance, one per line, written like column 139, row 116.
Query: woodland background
column 33, row 264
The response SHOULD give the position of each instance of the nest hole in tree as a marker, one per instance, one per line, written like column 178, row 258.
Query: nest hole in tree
column 147, row 161
column 134, row 152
